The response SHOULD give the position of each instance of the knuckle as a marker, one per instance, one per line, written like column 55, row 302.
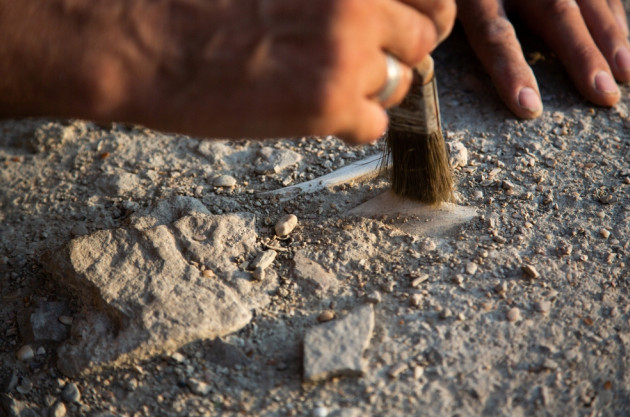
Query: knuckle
column 559, row 7
column 494, row 32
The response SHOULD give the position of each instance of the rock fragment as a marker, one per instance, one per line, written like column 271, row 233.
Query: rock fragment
column 286, row 224
column 397, row 369
column 198, row 387
column 25, row 353
column 312, row 276
column 605, row 233
column 326, row 315
column 542, row 306
column 471, row 268
column 152, row 299
column 458, row 154
column 58, row 410
column 513, row 314
column 264, row 259
column 336, row 348
column 227, row 181
column 71, row 393
column 530, row 271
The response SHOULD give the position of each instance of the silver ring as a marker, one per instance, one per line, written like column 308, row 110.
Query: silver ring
column 394, row 75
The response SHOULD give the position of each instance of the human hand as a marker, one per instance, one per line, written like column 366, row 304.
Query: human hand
column 590, row 37
column 216, row 68
column 302, row 68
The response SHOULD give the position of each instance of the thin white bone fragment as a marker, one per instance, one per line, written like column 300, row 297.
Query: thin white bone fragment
column 357, row 171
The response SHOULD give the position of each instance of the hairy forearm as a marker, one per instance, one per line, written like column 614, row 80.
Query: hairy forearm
column 150, row 62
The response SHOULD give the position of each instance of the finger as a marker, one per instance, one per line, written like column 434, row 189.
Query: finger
column 441, row 12
column 620, row 15
column 369, row 124
column 407, row 33
column 608, row 36
column 561, row 24
column 494, row 40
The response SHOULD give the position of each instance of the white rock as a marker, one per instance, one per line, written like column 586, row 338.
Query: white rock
column 198, row 387
column 458, row 154
column 286, row 224
column 513, row 314
column 320, row 412
column 224, row 181
column 25, row 353
column 336, row 348
column 264, row 259
column 58, row 410
column 530, row 271
column 605, row 233
column 471, row 268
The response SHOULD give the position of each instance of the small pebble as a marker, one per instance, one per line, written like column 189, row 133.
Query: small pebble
column 41, row 351
column 397, row 369
column 264, row 259
column 418, row 372
column 601, row 214
column 178, row 357
column 374, row 297
column 320, row 412
column 207, row 273
column 507, row 185
column 542, row 306
column 286, row 224
column 478, row 195
column 198, row 387
column 224, row 181
column 605, row 233
column 71, row 393
column 67, row 320
column 415, row 300
column 259, row 274
column 326, row 315
column 471, row 268
column 530, row 271
column 58, row 410
column 25, row 353
column 513, row 314
column 419, row 280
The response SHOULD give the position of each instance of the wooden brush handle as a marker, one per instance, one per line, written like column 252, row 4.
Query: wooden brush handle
column 419, row 112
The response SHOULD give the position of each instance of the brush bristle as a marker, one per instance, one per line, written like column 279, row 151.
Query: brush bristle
column 420, row 169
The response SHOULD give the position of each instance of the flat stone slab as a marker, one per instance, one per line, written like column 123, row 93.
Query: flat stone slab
column 336, row 348
column 415, row 218
column 143, row 288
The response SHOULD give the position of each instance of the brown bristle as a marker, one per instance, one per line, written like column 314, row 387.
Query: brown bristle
column 420, row 169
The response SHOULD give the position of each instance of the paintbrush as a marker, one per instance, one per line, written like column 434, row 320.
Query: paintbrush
column 420, row 168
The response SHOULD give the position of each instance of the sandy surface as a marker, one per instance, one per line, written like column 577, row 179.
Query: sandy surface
column 552, row 193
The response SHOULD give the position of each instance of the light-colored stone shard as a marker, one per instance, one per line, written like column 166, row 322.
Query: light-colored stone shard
column 142, row 295
column 336, row 348
column 264, row 259
column 458, row 154
column 312, row 276
column 415, row 218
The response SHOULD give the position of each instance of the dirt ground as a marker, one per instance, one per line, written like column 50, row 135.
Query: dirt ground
column 478, row 337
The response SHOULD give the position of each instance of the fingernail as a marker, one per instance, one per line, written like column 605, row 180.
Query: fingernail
column 604, row 83
column 622, row 59
column 529, row 100
column 621, row 21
